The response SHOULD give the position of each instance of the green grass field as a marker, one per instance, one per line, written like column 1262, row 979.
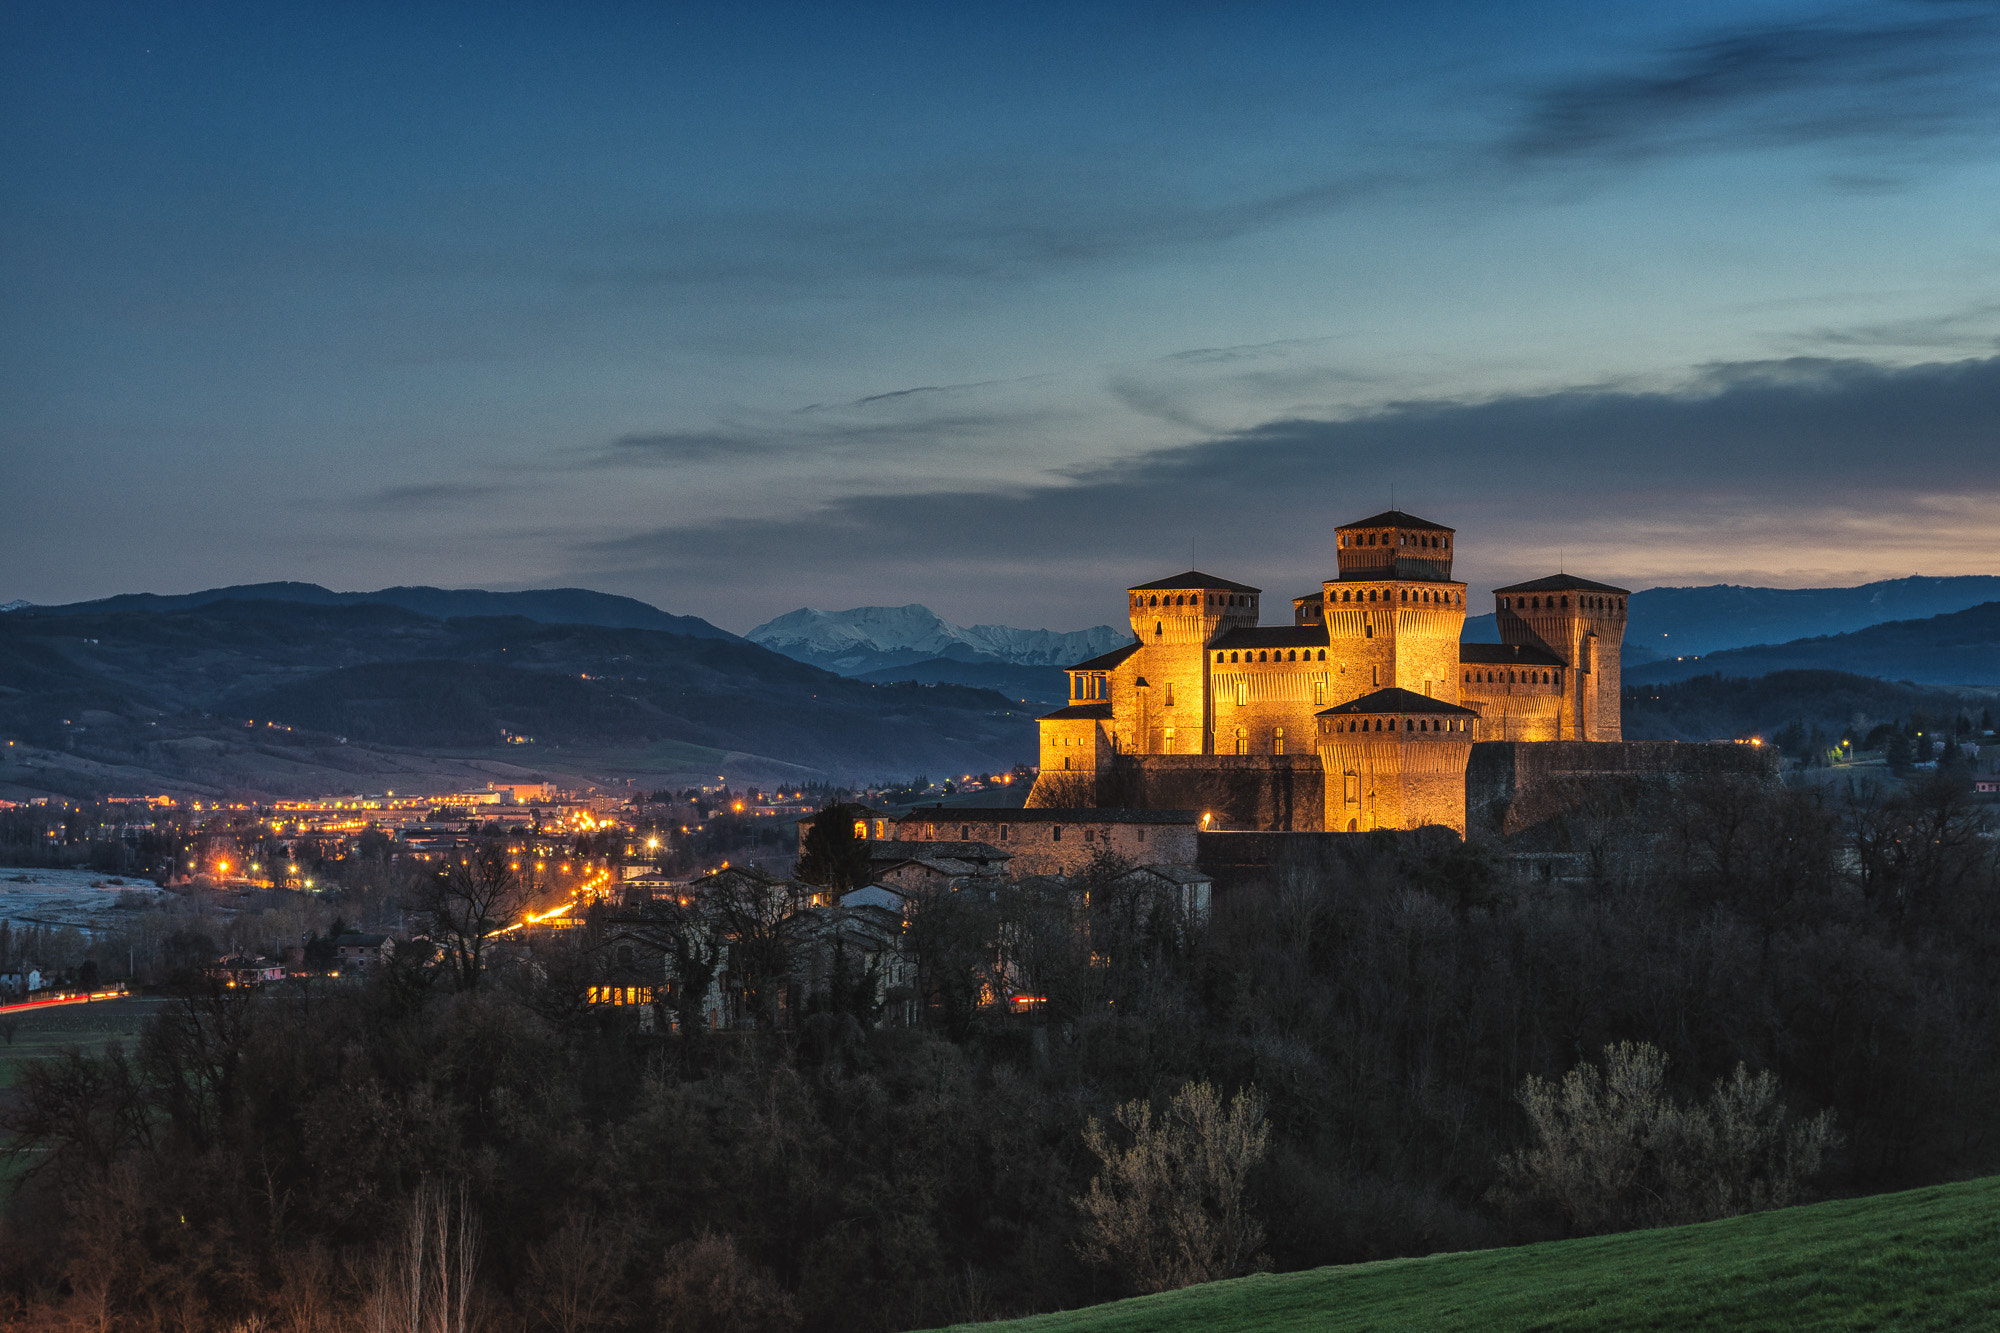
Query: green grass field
column 89, row 1026
column 1925, row 1259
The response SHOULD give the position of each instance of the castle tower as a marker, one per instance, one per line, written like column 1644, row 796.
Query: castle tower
column 1394, row 759
column 1582, row 623
column 1394, row 611
column 1170, row 708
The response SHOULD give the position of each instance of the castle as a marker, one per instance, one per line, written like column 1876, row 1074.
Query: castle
column 1361, row 714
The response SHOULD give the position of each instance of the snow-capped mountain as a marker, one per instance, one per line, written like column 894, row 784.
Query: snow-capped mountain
column 872, row 638
column 16, row 605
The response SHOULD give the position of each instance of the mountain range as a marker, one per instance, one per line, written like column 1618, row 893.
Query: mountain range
column 284, row 697
column 1665, row 623
column 549, row 606
column 893, row 643
column 1961, row 648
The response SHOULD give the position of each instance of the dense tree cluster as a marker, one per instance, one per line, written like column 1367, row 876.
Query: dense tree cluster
column 1399, row 1045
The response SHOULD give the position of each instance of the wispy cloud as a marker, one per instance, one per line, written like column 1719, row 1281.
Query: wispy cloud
column 1764, row 455
column 423, row 495
column 1875, row 75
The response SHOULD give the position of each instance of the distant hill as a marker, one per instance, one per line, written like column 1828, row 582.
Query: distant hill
column 1044, row 685
column 1839, row 704
column 872, row 639
column 137, row 688
column 1671, row 622
column 550, row 606
column 1962, row 648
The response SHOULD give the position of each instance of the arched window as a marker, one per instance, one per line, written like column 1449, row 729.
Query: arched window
column 1232, row 657
column 1221, row 656
column 1157, row 631
column 1322, row 654
column 1294, row 656
column 1278, row 740
column 1319, row 693
column 1242, row 742
column 1565, row 603
column 1055, row 833
column 1263, row 657
column 1156, row 599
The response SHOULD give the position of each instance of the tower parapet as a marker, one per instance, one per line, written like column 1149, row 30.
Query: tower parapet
column 1395, row 545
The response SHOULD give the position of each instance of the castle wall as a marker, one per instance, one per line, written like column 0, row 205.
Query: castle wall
column 1061, row 841
column 1271, row 792
column 1513, row 787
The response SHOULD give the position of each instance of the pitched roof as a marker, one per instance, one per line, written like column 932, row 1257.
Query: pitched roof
column 1106, row 661
column 1310, row 598
column 969, row 814
column 1194, row 578
column 1274, row 636
column 1395, row 699
column 1079, row 712
column 1560, row 583
column 1507, row 654
column 1395, row 518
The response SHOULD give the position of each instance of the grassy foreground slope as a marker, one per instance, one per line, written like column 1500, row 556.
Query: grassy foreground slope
column 1925, row 1259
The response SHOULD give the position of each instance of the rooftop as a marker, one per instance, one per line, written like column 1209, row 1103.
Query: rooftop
column 1507, row 654
column 1194, row 578
column 1274, row 636
column 1561, row 583
column 1080, row 712
column 1395, row 518
column 1395, row 700
column 1106, row 661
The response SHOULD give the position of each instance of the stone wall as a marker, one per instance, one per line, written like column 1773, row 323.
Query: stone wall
column 1248, row 791
column 1061, row 841
column 1512, row 787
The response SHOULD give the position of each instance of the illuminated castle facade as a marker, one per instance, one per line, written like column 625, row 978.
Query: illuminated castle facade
column 1368, row 692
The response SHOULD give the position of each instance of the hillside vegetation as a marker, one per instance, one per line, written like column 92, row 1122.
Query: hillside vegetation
column 1917, row 1260
column 1836, row 703
column 181, row 693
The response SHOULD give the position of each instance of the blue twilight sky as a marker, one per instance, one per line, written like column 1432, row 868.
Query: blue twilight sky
column 741, row 308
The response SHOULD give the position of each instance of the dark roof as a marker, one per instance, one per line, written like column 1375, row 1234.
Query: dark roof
column 1078, row 712
column 1192, row 579
column 1395, row 518
column 1507, row 654
column 1105, row 661
column 1274, row 636
column 968, row 814
column 1319, row 596
column 359, row 941
column 1561, row 582
column 1396, row 700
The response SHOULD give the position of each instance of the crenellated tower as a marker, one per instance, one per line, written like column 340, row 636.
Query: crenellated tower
column 1394, row 609
column 1583, row 624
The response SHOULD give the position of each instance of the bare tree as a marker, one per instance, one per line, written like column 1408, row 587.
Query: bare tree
column 1613, row 1150
column 1170, row 1207
column 467, row 901
column 424, row 1278
column 573, row 1285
